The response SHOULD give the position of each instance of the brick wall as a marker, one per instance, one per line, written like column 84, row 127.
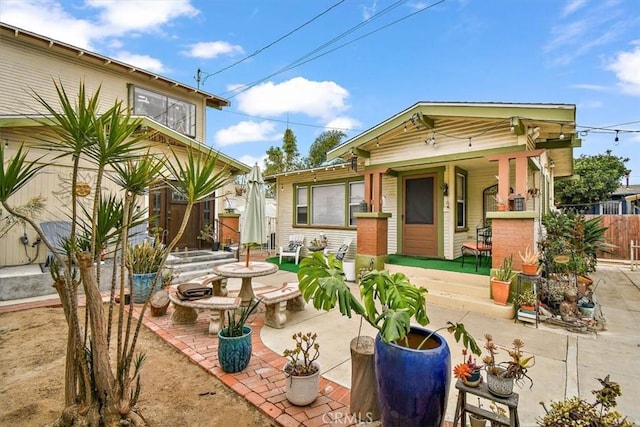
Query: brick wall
column 372, row 236
column 509, row 237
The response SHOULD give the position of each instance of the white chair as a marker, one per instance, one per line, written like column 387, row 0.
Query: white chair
column 341, row 251
column 296, row 241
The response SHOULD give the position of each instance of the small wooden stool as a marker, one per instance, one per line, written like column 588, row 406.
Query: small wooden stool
column 482, row 391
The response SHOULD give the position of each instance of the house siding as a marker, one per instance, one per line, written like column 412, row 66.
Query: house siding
column 26, row 68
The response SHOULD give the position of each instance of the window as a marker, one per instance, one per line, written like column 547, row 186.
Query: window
column 173, row 113
column 461, row 200
column 328, row 205
column 356, row 195
column 301, row 205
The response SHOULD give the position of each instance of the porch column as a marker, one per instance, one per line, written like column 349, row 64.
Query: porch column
column 373, row 189
column 229, row 227
column 372, row 239
column 521, row 167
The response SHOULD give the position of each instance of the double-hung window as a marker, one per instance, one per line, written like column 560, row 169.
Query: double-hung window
column 461, row 199
column 332, row 204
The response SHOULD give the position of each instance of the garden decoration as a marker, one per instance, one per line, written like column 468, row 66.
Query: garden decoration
column 389, row 303
column 302, row 372
column 502, row 375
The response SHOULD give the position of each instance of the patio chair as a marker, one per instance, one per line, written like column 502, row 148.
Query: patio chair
column 293, row 248
column 481, row 247
column 342, row 250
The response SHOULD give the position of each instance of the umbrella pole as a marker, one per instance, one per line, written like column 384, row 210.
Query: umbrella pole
column 248, row 250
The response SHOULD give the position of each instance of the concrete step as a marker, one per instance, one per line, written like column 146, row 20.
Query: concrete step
column 179, row 258
column 461, row 291
column 197, row 263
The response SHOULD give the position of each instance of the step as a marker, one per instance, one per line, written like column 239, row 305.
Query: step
column 176, row 258
column 461, row 291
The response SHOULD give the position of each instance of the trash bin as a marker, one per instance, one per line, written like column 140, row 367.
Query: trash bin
column 349, row 267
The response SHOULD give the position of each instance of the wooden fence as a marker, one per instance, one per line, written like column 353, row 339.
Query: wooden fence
column 622, row 229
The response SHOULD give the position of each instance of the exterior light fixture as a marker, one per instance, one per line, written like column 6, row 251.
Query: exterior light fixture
column 518, row 202
column 354, row 163
column 561, row 132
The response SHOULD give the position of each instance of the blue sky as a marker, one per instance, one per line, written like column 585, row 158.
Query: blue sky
column 352, row 64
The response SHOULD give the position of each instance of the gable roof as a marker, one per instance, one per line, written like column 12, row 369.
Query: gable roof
column 113, row 64
column 534, row 114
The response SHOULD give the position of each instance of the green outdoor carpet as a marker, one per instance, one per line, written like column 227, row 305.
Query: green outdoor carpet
column 287, row 264
column 409, row 261
column 444, row 264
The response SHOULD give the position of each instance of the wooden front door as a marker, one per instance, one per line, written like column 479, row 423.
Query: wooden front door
column 167, row 208
column 419, row 216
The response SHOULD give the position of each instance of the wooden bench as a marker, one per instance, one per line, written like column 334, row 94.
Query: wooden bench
column 278, row 301
column 185, row 313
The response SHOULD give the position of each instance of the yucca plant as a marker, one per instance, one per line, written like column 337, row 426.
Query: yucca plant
column 146, row 257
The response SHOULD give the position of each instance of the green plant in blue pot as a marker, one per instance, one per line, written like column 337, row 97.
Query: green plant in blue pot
column 145, row 260
column 412, row 364
column 234, row 341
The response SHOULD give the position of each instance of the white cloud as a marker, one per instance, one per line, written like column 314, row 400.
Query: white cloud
column 573, row 6
column 369, row 11
column 210, row 50
column 323, row 100
column 119, row 17
column 49, row 19
column 145, row 62
column 626, row 65
column 252, row 160
column 588, row 86
column 344, row 124
column 246, row 131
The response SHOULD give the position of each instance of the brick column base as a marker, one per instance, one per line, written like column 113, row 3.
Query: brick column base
column 372, row 240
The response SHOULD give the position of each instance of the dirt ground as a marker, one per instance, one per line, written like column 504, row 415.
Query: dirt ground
column 175, row 392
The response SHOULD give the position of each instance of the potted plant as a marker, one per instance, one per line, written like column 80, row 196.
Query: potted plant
column 527, row 300
column 209, row 234
column 501, row 281
column 530, row 262
column 234, row 341
column 575, row 411
column 412, row 364
column 302, row 372
column 501, row 376
column 143, row 261
column 468, row 371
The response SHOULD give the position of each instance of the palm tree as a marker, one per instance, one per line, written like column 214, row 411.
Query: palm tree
column 97, row 391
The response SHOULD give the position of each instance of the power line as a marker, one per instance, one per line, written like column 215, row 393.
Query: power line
column 262, row 49
column 301, row 60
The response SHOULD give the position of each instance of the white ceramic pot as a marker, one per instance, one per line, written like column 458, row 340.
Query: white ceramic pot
column 502, row 387
column 302, row 390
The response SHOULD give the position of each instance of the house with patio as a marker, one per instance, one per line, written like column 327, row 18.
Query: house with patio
column 172, row 113
column 420, row 182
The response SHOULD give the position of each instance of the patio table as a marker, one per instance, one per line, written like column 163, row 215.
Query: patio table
column 240, row 270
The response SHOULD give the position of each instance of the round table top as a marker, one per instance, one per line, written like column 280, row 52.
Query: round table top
column 239, row 269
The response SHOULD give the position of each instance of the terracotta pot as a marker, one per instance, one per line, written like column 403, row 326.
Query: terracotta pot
column 500, row 291
column 527, row 307
column 530, row 269
column 502, row 208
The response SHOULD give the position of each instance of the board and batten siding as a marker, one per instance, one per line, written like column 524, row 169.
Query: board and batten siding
column 26, row 69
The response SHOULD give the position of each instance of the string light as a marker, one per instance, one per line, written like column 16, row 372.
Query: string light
column 616, row 139
column 469, row 142
column 405, row 127
column 561, row 132
column 377, row 142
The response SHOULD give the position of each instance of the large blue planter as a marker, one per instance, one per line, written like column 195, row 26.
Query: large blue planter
column 142, row 286
column 234, row 353
column 413, row 385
